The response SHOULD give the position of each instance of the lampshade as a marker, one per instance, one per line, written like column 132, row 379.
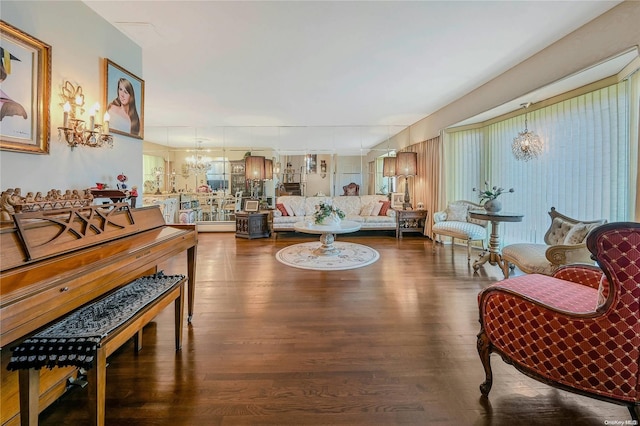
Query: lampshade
column 389, row 166
column 254, row 167
column 268, row 169
column 407, row 163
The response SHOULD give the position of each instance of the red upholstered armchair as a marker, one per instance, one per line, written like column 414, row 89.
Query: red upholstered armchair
column 558, row 331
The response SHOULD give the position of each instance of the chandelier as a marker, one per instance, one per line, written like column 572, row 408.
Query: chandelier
column 75, row 131
column 527, row 145
column 198, row 163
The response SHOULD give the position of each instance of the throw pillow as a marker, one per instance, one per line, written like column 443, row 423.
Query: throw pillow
column 385, row 208
column 366, row 209
column 376, row 209
column 280, row 207
column 289, row 210
column 576, row 234
column 457, row 212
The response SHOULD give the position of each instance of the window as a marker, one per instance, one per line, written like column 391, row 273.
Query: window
column 584, row 171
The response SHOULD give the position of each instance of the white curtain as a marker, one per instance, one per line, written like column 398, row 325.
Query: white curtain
column 584, row 171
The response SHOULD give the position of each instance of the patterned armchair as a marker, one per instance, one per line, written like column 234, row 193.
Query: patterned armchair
column 351, row 189
column 564, row 244
column 578, row 330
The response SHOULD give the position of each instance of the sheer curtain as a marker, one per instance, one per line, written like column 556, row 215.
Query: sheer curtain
column 427, row 186
column 584, row 171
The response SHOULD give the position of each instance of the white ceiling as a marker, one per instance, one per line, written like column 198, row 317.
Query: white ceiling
column 323, row 76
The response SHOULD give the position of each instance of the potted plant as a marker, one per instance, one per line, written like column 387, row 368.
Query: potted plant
column 489, row 196
column 326, row 214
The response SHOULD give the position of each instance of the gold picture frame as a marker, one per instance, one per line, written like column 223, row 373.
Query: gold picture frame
column 25, row 72
column 123, row 120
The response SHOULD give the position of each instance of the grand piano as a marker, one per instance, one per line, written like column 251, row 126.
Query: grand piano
column 54, row 261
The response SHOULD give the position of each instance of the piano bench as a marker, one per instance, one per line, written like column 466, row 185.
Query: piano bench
column 127, row 311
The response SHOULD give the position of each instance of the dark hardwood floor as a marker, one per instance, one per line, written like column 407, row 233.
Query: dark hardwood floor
column 390, row 343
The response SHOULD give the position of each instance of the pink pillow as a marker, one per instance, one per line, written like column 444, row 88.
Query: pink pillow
column 385, row 208
column 280, row 207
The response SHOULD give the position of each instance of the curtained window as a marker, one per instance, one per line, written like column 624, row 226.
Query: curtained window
column 585, row 170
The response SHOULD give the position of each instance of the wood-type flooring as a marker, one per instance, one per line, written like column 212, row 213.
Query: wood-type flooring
column 393, row 343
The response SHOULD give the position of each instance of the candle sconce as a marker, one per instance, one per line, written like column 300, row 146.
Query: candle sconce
column 73, row 130
column 323, row 169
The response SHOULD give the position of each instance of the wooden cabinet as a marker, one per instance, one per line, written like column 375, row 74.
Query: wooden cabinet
column 292, row 188
column 238, row 180
column 410, row 221
column 253, row 225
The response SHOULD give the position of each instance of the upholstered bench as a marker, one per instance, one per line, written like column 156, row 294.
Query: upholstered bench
column 455, row 222
column 87, row 336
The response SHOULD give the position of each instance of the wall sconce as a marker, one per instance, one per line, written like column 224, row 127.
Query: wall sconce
column 323, row 169
column 73, row 128
column 406, row 165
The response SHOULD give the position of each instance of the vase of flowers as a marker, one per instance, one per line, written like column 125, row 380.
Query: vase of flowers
column 328, row 215
column 489, row 196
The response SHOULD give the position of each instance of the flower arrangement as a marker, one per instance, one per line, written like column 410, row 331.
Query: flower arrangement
column 324, row 210
column 490, row 193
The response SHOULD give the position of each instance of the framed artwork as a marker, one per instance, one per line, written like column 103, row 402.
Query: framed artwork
column 397, row 199
column 124, row 101
column 25, row 75
column 251, row 205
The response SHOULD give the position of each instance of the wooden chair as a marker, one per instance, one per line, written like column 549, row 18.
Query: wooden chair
column 233, row 204
column 578, row 330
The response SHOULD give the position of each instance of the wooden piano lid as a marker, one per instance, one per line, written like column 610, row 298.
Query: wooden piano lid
column 42, row 234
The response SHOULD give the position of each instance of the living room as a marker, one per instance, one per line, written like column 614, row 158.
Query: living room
column 459, row 146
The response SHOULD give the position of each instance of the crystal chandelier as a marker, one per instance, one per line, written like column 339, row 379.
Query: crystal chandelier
column 198, row 163
column 527, row 145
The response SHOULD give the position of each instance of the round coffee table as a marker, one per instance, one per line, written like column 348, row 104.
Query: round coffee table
column 327, row 234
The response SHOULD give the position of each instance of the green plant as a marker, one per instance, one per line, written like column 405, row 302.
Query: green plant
column 492, row 193
column 324, row 210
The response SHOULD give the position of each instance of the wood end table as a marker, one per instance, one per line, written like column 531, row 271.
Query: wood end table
column 410, row 221
column 252, row 225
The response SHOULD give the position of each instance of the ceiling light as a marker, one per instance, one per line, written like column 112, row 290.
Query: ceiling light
column 527, row 145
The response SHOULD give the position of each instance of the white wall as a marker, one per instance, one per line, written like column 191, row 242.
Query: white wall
column 79, row 41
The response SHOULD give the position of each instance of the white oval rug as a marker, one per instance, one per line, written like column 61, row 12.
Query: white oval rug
column 351, row 256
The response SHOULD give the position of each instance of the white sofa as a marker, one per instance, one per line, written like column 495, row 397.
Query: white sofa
column 455, row 222
column 352, row 206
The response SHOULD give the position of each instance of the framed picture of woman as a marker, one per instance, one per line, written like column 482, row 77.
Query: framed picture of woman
column 124, row 99
column 25, row 91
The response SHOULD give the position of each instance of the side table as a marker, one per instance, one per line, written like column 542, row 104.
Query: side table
column 410, row 221
column 493, row 256
column 253, row 224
